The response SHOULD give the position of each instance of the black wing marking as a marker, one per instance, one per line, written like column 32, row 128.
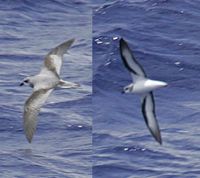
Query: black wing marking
column 129, row 60
column 148, row 111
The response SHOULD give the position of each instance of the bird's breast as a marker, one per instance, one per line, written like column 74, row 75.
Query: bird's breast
column 147, row 85
column 46, row 82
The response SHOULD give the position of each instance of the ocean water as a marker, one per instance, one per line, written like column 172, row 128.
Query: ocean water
column 62, row 145
column 165, row 38
column 99, row 132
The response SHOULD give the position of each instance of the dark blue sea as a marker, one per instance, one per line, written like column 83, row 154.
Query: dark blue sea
column 62, row 145
column 95, row 131
column 165, row 38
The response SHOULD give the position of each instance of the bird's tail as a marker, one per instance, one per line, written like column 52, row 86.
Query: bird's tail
column 67, row 85
column 61, row 49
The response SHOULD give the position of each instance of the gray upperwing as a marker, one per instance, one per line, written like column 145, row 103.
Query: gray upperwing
column 129, row 60
column 61, row 49
column 53, row 60
column 148, row 110
column 32, row 109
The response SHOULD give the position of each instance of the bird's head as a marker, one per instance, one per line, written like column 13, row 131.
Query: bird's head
column 128, row 88
column 26, row 81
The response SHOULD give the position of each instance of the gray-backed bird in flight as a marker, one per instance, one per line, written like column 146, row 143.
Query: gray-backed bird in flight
column 43, row 84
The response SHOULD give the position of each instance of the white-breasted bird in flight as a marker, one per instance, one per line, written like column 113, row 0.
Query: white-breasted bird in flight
column 43, row 84
column 143, row 86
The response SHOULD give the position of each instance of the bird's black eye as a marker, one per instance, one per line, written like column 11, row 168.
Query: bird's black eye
column 26, row 81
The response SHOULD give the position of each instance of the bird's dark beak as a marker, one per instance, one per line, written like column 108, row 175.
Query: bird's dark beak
column 122, row 92
column 21, row 84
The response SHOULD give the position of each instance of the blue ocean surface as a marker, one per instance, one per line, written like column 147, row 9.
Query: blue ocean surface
column 165, row 38
column 62, row 145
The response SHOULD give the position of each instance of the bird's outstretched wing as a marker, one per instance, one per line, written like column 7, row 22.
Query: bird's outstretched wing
column 53, row 60
column 148, row 111
column 129, row 60
column 32, row 109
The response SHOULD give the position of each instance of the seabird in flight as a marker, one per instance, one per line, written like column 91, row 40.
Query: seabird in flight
column 143, row 86
column 43, row 84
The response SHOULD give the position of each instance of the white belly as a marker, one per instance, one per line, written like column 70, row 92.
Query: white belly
column 147, row 85
column 45, row 82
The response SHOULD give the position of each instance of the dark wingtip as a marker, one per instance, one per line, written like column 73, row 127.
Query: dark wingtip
column 156, row 134
column 123, row 45
column 66, row 45
column 159, row 140
column 122, row 42
column 157, row 137
column 71, row 41
column 62, row 48
column 29, row 139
